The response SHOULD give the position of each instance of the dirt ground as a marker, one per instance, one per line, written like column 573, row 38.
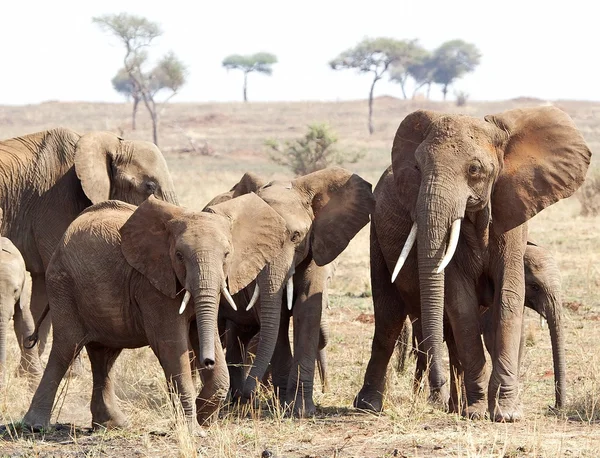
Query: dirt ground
column 208, row 147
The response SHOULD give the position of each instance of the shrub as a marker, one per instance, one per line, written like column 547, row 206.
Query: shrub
column 315, row 151
column 461, row 98
column 589, row 193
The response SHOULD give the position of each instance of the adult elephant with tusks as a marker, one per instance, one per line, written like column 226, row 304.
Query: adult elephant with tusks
column 323, row 211
column 48, row 178
column 462, row 189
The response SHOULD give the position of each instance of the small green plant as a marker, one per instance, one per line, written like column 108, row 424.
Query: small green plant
column 315, row 151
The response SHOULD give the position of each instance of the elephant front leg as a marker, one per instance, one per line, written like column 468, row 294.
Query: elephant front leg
column 282, row 360
column 237, row 344
column 215, row 385
column 469, row 358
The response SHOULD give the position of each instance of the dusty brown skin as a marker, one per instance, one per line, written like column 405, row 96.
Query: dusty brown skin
column 323, row 211
column 117, row 280
column 15, row 296
column 494, row 174
column 47, row 178
column 543, row 293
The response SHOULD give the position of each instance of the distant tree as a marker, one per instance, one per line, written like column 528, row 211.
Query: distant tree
column 123, row 84
column 372, row 55
column 452, row 60
column 315, row 151
column 137, row 34
column 412, row 54
column 422, row 72
column 260, row 62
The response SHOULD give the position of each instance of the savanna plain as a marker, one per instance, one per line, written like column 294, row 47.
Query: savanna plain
column 208, row 147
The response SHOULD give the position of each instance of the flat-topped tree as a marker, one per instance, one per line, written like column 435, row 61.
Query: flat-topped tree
column 372, row 55
column 412, row 54
column 452, row 60
column 261, row 62
column 169, row 74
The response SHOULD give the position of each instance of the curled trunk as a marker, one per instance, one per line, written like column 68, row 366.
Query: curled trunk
column 553, row 316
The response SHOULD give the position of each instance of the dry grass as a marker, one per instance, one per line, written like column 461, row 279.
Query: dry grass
column 408, row 426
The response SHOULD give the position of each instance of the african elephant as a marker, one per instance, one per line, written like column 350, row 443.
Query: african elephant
column 49, row 177
column 543, row 293
column 323, row 211
column 116, row 281
column 463, row 189
column 15, row 295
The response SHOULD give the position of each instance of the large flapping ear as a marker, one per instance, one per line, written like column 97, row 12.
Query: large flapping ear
column 93, row 155
column 145, row 243
column 545, row 160
column 250, row 182
column 258, row 233
column 410, row 134
column 342, row 203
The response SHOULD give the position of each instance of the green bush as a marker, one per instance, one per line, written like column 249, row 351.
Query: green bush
column 316, row 150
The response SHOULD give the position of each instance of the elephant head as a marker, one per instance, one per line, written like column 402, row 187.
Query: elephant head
column 202, row 252
column 323, row 211
column 128, row 170
column 497, row 172
column 543, row 293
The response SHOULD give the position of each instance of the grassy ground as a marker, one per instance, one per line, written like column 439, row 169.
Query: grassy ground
column 408, row 426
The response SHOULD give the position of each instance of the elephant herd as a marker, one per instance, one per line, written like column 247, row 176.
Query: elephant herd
column 96, row 244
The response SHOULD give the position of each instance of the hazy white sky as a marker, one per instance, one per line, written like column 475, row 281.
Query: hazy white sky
column 546, row 49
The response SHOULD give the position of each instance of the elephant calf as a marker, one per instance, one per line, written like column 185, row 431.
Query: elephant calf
column 543, row 294
column 117, row 280
column 15, row 298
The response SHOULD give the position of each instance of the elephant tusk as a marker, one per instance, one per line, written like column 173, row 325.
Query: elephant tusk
column 410, row 241
column 184, row 302
column 254, row 297
column 452, row 244
column 228, row 297
column 290, row 290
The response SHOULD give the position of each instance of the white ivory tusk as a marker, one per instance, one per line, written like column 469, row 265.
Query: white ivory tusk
column 254, row 297
column 452, row 244
column 184, row 302
column 410, row 241
column 225, row 292
column 290, row 290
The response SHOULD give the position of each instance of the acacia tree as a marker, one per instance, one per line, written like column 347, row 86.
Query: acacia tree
column 422, row 72
column 137, row 34
column 412, row 54
column 452, row 60
column 123, row 84
column 261, row 62
column 371, row 55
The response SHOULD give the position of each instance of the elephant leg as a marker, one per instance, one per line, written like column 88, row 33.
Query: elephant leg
column 389, row 313
column 404, row 345
column 30, row 364
column 281, row 363
column 307, row 319
column 421, row 364
column 214, row 389
column 322, row 367
column 463, row 313
column 237, row 343
column 105, row 411
column 39, row 300
column 64, row 349
column 457, row 391
column 174, row 357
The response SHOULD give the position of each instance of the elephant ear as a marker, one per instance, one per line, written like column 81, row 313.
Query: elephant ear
column 545, row 160
column 94, row 153
column 250, row 182
column 258, row 233
column 145, row 243
column 410, row 134
column 342, row 203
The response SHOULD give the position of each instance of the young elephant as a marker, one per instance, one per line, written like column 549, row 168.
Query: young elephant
column 543, row 294
column 15, row 297
column 118, row 278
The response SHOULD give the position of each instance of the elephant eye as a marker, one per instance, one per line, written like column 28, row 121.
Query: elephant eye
column 179, row 256
column 474, row 169
column 295, row 237
column 151, row 186
column 534, row 286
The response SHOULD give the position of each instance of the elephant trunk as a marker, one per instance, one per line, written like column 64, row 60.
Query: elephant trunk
column 435, row 216
column 553, row 316
column 205, row 291
column 271, row 281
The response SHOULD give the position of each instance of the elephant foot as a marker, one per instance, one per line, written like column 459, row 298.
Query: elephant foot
column 304, row 409
column 440, row 397
column 369, row 401
column 501, row 415
column 207, row 410
column 113, row 419
column 475, row 411
column 36, row 421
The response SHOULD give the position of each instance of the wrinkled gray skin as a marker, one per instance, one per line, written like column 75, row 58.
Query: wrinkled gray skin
column 543, row 293
column 323, row 211
column 15, row 296
column 240, row 332
column 117, row 280
column 47, row 178
column 490, row 176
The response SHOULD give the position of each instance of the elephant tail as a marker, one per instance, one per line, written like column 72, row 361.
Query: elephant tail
column 33, row 338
